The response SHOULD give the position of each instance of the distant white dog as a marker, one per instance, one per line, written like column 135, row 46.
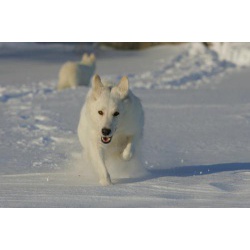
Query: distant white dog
column 111, row 127
column 73, row 74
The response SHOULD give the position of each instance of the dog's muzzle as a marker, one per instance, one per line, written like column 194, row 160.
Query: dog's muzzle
column 106, row 138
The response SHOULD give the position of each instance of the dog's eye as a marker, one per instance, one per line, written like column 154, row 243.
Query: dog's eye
column 100, row 112
column 116, row 113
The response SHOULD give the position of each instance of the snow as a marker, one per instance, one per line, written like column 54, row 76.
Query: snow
column 196, row 142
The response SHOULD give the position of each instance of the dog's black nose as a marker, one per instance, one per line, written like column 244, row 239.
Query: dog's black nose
column 106, row 131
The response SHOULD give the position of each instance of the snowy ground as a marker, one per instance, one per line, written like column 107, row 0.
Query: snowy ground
column 196, row 143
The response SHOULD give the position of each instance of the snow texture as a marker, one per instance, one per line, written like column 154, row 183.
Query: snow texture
column 196, row 142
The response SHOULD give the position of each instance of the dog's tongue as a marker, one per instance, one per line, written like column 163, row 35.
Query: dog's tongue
column 106, row 139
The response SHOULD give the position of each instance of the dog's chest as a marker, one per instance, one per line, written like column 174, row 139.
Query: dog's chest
column 117, row 144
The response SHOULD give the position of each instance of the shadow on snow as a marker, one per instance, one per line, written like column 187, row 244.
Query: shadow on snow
column 187, row 171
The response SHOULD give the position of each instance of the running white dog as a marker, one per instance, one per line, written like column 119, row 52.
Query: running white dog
column 111, row 127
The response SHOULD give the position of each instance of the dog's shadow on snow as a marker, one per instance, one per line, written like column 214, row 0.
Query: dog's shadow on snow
column 187, row 171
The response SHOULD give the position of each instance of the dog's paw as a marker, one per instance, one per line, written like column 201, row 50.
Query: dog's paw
column 105, row 181
column 127, row 155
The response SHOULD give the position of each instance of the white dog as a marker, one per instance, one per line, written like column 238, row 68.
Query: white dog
column 73, row 74
column 111, row 127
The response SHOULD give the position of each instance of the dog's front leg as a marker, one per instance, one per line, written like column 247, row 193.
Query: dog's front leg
column 97, row 157
column 128, row 151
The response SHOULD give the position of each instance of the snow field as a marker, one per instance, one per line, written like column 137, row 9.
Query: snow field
column 196, row 143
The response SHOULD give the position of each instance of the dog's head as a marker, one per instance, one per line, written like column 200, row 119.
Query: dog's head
column 108, row 106
column 88, row 59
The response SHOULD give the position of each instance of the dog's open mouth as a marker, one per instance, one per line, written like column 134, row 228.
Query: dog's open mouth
column 106, row 139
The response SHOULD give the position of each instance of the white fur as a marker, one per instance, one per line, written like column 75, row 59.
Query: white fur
column 73, row 74
column 126, row 129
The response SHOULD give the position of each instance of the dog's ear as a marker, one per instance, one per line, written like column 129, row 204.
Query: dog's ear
column 85, row 57
column 97, row 86
column 92, row 58
column 123, row 87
